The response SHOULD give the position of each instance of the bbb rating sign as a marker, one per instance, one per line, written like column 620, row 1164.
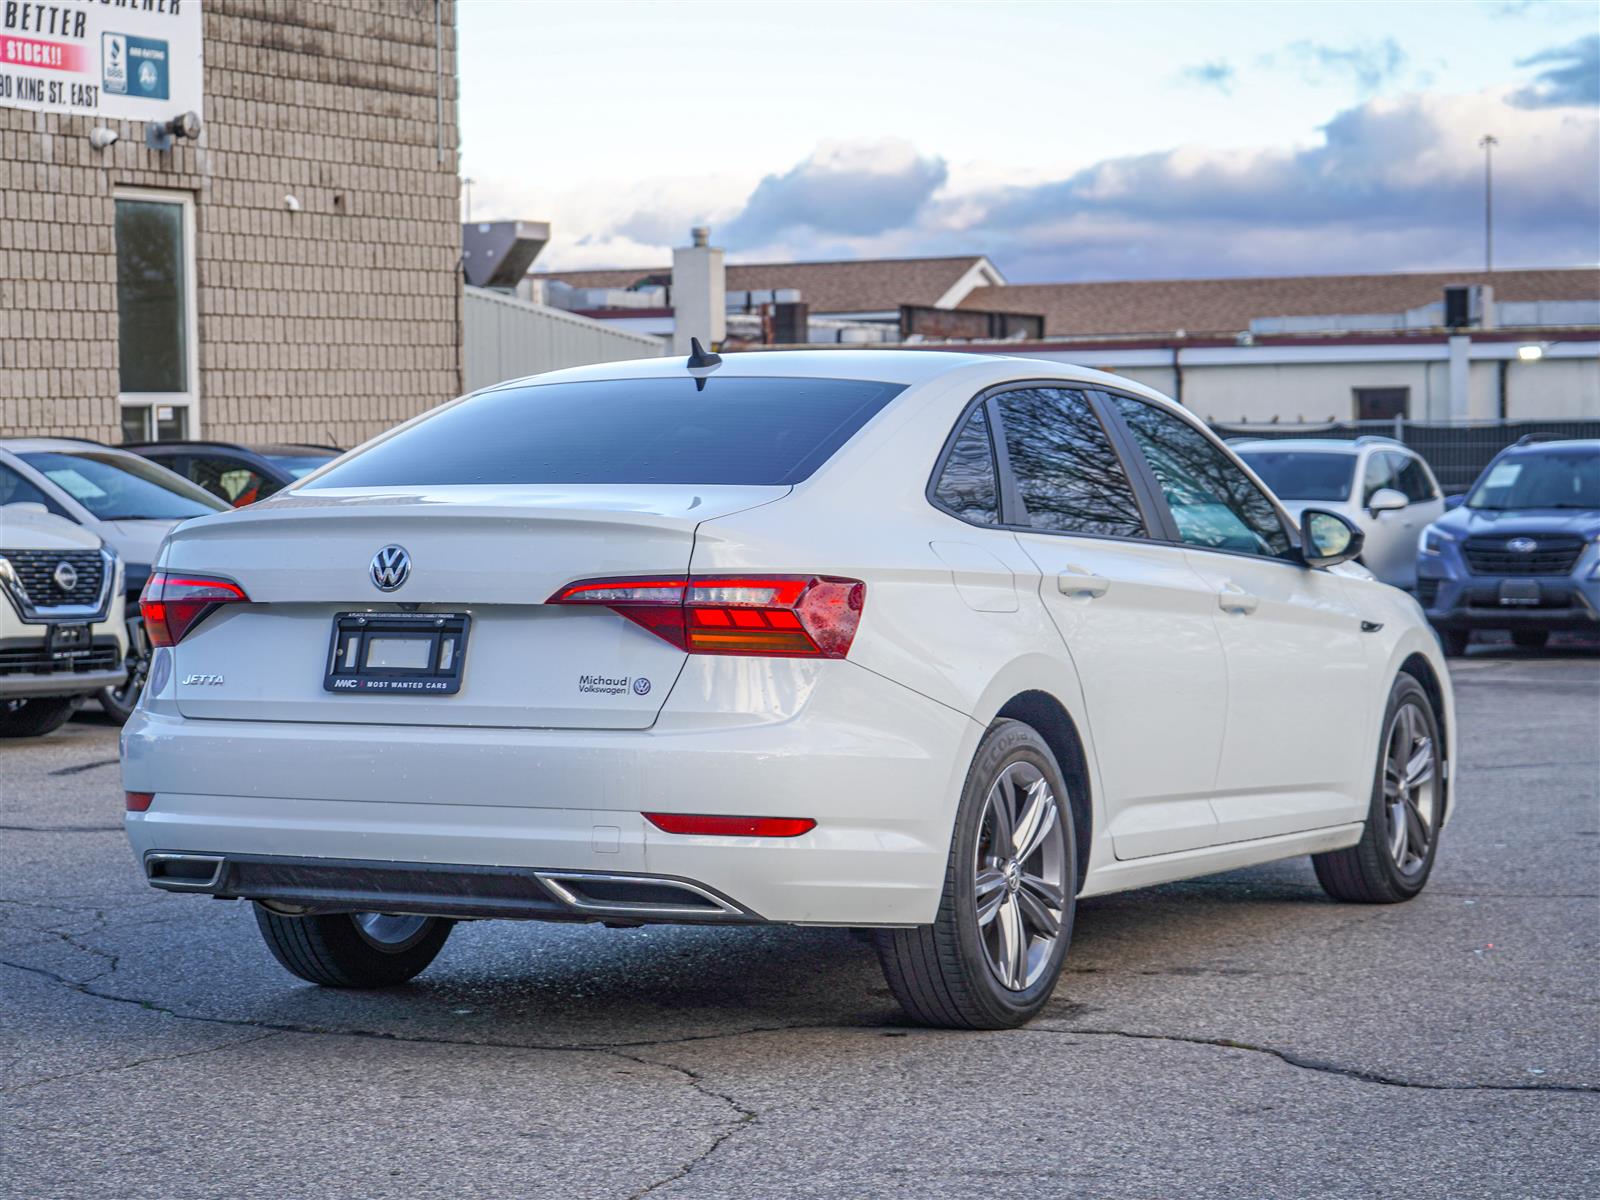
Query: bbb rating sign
column 133, row 59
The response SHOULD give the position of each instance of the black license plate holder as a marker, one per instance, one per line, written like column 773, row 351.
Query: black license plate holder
column 68, row 641
column 1524, row 593
column 397, row 654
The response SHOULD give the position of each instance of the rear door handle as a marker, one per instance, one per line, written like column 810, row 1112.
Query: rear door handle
column 1234, row 599
column 1075, row 581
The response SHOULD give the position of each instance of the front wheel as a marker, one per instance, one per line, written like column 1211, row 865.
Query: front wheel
column 118, row 702
column 993, row 954
column 353, row 950
column 35, row 717
column 1394, row 857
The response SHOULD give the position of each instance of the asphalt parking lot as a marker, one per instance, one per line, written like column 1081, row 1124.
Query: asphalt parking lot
column 1233, row 1036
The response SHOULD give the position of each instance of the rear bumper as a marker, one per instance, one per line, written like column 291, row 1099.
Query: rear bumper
column 878, row 767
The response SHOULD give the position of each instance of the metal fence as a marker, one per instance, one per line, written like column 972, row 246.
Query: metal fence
column 1456, row 450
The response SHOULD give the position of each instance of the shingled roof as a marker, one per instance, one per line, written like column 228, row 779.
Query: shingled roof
column 1200, row 306
column 855, row 285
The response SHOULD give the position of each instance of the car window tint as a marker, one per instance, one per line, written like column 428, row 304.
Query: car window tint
column 1379, row 474
column 122, row 487
column 1213, row 502
column 734, row 430
column 14, row 489
column 230, row 480
column 1070, row 479
column 1412, row 478
column 967, row 484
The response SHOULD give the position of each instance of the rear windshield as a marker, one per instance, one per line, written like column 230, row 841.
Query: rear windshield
column 735, row 431
column 1304, row 474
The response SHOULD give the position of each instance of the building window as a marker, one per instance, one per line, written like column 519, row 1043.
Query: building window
column 1382, row 403
column 157, row 348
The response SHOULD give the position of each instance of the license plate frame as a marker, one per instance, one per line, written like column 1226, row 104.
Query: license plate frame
column 441, row 636
column 69, row 640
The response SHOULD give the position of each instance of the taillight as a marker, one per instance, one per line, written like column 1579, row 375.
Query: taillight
column 138, row 801
column 777, row 616
column 781, row 827
column 171, row 605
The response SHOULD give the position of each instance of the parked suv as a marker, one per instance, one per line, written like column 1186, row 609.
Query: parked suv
column 1521, row 553
column 125, row 501
column 1377, row 482
column 237, row 474
column 61, row 618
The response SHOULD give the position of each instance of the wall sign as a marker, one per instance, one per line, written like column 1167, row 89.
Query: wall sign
column 135, row 59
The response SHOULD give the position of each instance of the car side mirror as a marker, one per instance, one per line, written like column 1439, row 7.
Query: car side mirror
column 1386, row 500
column 1327, row 538
column 1454, row 501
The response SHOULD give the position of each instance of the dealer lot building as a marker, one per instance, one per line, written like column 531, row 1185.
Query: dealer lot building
column 171, row 277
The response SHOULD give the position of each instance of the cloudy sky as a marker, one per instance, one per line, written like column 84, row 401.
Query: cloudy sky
column 1065, row 140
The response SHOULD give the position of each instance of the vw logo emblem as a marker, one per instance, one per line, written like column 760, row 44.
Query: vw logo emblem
column 641, row 686
column 1522, row 545
column 66, row 576
column 391, row 567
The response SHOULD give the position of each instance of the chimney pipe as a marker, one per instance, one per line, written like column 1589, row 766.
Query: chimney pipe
column 699, row 293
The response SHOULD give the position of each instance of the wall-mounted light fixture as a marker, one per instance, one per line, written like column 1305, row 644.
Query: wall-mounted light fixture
column 1531, row 353
column 158, row 135
column 100, row 137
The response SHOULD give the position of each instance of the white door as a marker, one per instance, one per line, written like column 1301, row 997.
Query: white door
column 1136, row 620
column 1391, row 548
column 1298, row 692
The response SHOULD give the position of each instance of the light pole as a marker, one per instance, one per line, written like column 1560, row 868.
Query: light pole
column 466, row 185
column 1488, row 142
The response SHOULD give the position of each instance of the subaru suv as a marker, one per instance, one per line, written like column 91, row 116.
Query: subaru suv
column 1521, row 553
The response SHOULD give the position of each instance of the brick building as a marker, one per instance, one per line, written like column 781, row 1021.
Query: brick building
column 291, row 273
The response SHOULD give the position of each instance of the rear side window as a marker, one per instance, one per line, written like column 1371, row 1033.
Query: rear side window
column 619, row 431
column 1070, row 479
column 967, row 483
column 1411, row 477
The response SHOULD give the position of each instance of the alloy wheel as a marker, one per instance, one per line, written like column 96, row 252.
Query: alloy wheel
column 1020, row 876
column 389, row 931
column 1410, row 789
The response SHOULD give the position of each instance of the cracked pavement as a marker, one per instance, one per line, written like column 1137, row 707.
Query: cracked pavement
column 1235, row 1036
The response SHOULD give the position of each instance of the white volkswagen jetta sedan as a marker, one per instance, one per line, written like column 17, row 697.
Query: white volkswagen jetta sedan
column 929, row 643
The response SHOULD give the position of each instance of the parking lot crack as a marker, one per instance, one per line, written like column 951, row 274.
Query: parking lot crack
column 140, row 1062
column 744, row 1118
column 1321, row 1067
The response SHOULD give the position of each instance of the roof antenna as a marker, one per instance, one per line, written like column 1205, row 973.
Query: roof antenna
column 701, row 363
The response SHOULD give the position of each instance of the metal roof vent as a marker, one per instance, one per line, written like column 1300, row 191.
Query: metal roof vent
column 497, row 254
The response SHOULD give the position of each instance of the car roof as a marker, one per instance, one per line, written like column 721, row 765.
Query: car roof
column 281, row 449
column 1347, row 445
column 1590, row 444
column 907, row 367
column 26, row 445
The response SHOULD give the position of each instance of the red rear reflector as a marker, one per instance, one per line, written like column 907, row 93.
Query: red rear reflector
column 777, row 827
column 172, row 605
column 785, row 616
column 138, row 801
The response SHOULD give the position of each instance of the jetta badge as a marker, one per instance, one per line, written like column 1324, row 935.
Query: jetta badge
column 1522, row 545
column 391, row 567
column 66, row 576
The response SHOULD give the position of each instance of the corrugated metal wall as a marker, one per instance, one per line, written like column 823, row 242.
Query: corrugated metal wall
column 505, row 338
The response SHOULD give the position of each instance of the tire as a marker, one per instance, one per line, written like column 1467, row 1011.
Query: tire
column 1454, row 641
column 948, row 974
column 337, row 950
column 118, row 702
column 1384, row 866
column 1530, row 639
column 35, row 717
